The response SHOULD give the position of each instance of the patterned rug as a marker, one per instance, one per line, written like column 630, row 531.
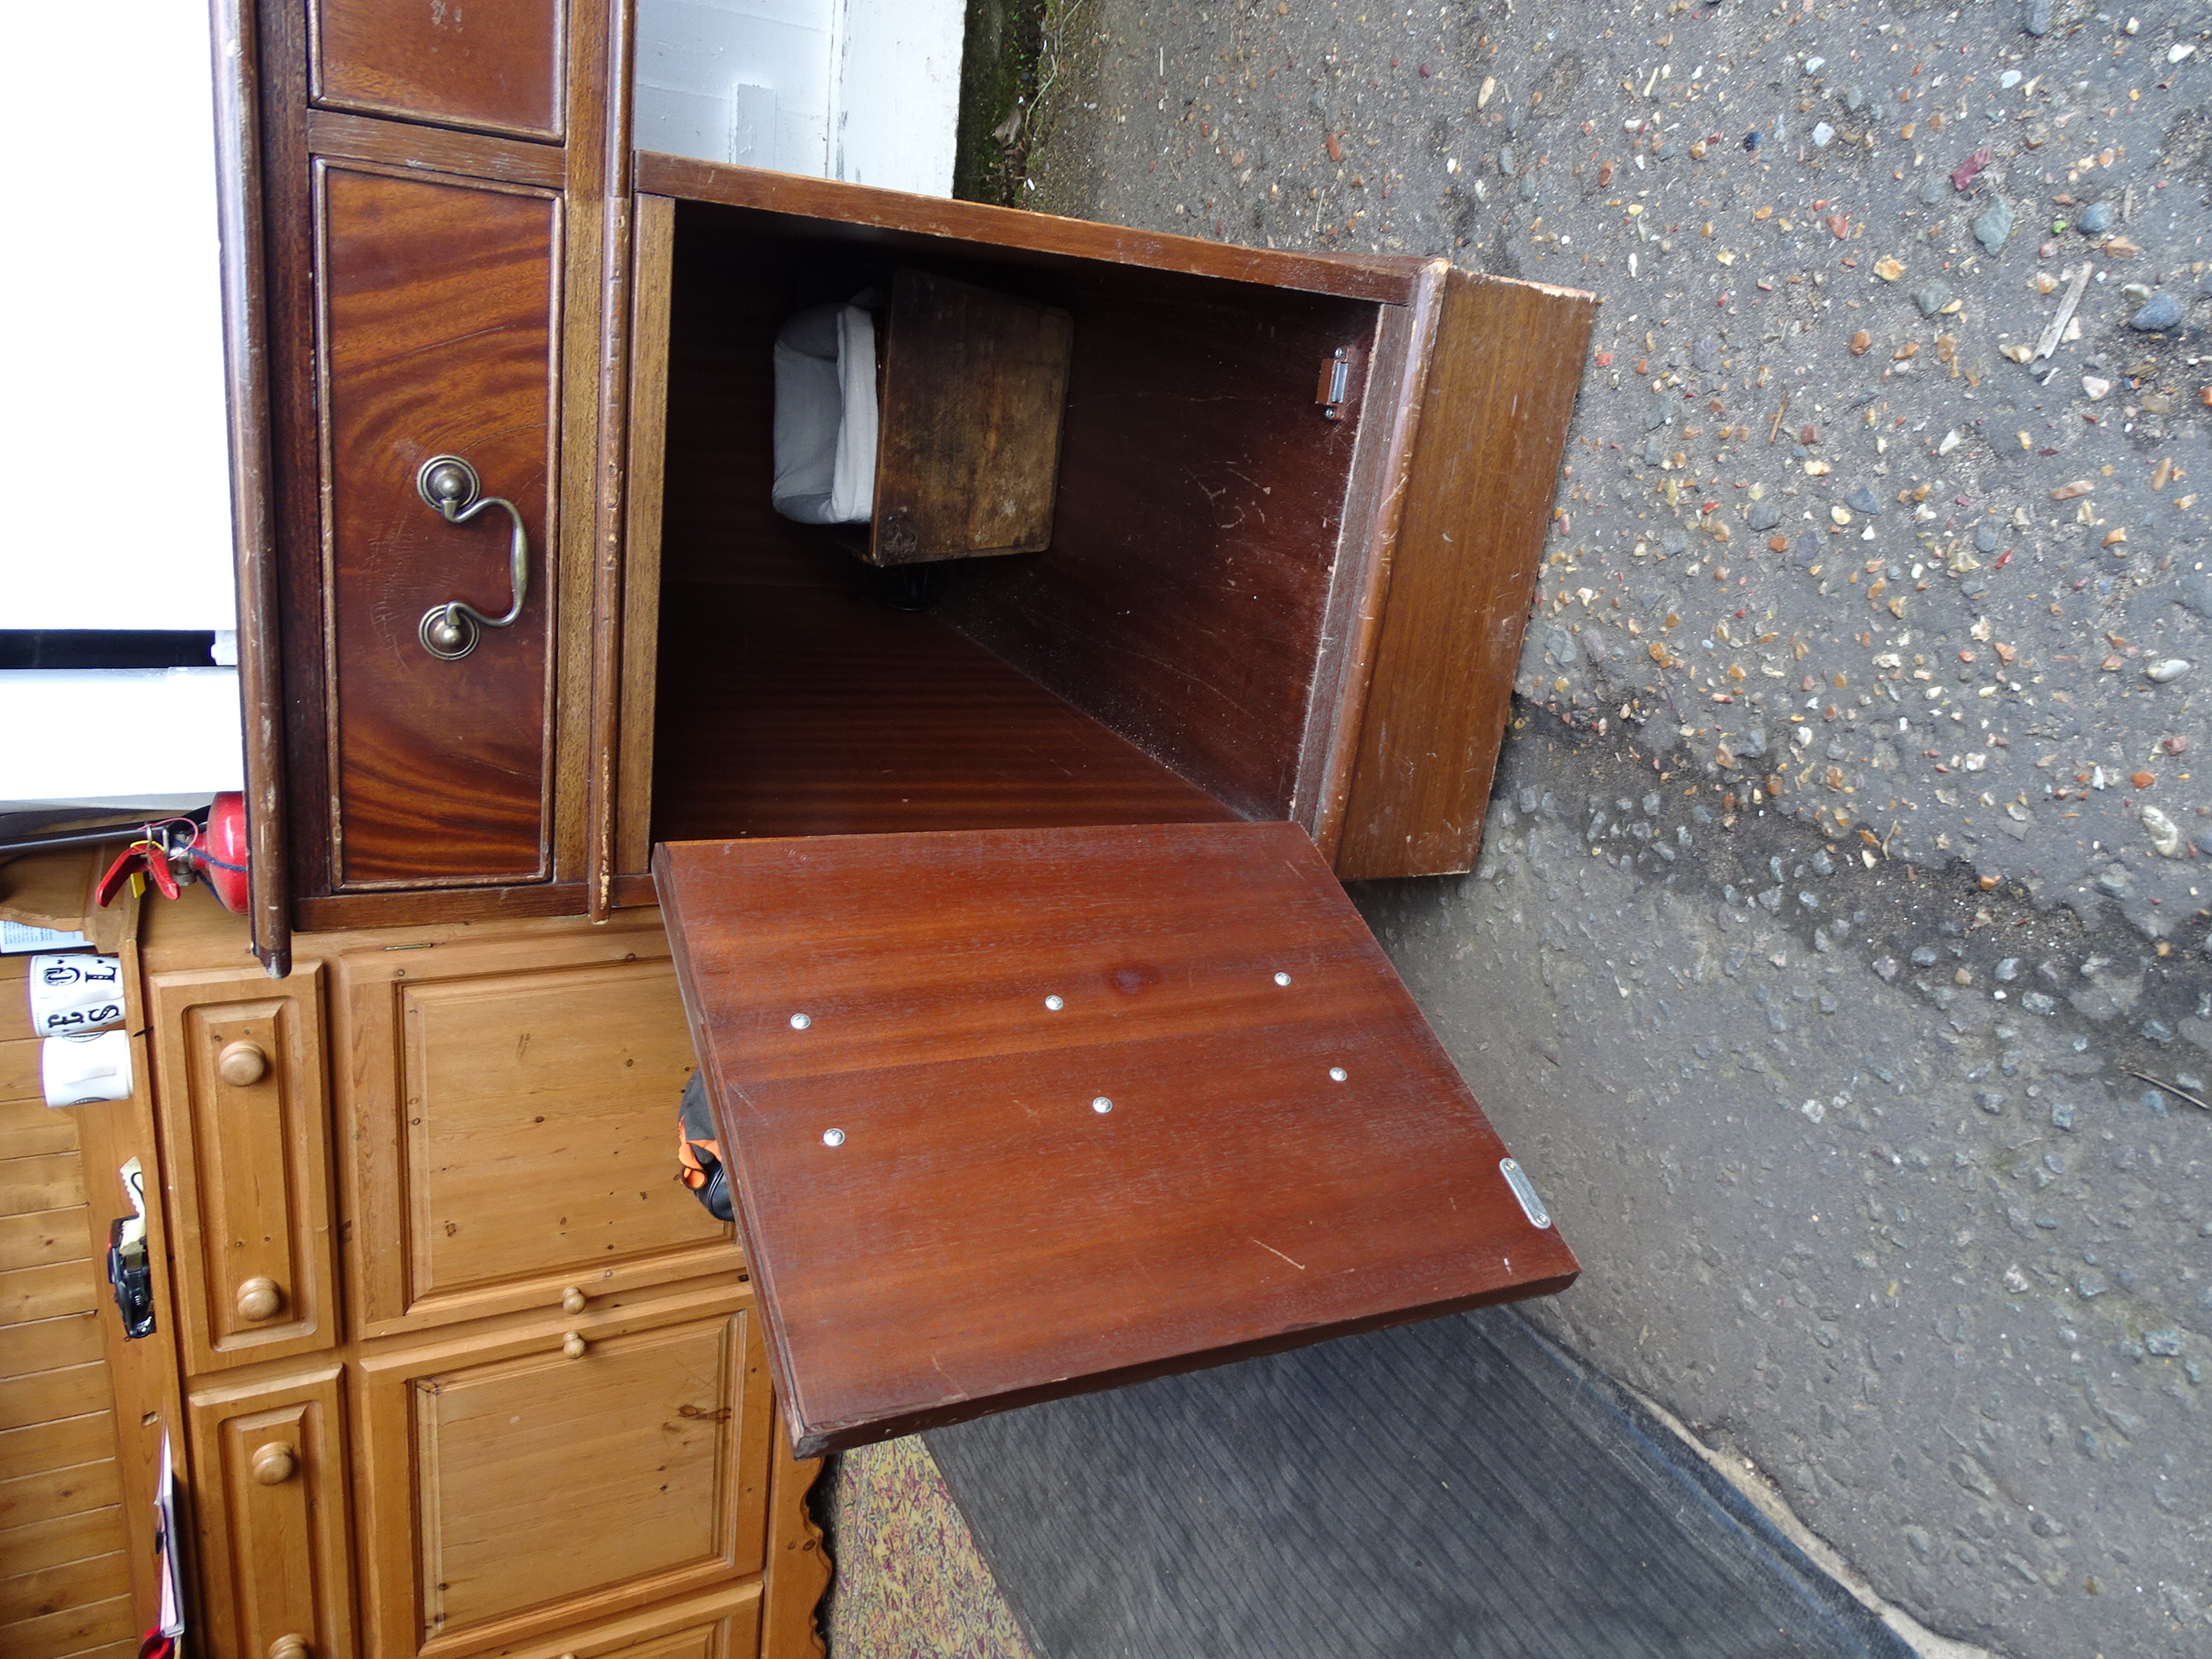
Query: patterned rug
column 910, row 1584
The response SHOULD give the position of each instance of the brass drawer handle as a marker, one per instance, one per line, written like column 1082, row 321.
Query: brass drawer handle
column 241, row 1064
column 260, row 1299
column 572, row 1299
column 275, row 1463
column 573, row 1346
column 294, row 1646
column 450, row 485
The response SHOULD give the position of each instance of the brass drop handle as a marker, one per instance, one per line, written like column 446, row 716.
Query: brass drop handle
column 258, row 1299
column 294, row 1646
column 573, row 1346
column 572, row 1299
column 275, row 1463
column 241, row 1064
column 449, row 485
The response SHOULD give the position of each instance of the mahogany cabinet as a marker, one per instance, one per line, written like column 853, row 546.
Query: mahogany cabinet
column 1300, row 502
column 1054, row 838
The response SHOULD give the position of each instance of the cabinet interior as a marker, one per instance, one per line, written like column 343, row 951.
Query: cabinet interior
column 1161, row 661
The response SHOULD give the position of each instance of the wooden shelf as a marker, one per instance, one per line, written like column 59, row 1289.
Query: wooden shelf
column 794, row 711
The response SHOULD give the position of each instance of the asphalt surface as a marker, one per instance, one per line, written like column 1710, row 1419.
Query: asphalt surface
column 1838, row 959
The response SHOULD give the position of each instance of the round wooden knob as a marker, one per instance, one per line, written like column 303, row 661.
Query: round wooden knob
column 294, row 1646
column 258, row 1299
column 241, row 1064
column 275, row 1463
column 573, row 1346
column 572, row 1300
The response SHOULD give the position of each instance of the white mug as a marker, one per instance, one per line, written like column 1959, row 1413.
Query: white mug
column 78, row 992
column 80, row 1070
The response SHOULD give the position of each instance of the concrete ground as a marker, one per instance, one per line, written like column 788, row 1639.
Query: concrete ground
column 1836, row 961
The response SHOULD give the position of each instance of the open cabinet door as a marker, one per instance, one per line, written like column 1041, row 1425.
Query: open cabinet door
column 1019, row 1114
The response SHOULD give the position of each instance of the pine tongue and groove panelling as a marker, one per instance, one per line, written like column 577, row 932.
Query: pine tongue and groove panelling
column 64, row 1581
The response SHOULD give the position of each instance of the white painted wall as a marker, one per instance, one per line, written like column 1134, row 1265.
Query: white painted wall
column 895, row 104
column 863, row 90
column 118, row 466
column 118, row 458
column 736, row 80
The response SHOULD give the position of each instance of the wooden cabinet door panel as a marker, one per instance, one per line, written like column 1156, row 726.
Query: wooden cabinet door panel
column 247, row 1159
column 494, row 65
column 439, row 297
column 1016, row 1114
column 269, row 1487
column 524, row 1481
column 724, row 1624
column 515, row 1113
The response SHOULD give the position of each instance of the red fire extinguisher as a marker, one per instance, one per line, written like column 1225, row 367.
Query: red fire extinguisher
column 172, row 851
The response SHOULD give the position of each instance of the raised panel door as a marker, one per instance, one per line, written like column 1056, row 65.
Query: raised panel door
column 515, row 1118
column 522, row 1482
column 240, row 1071
column 269, row 1488
column 724, row 1624
column 439, row 296
column 493, row 65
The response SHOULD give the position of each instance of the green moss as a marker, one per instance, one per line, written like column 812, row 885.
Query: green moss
column 998, row 78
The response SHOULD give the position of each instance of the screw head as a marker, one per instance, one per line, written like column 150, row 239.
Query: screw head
column 800, row 1021
column 1055, row 1003
column 1101, row 1105
column 1338, row 1074
column 833, row 1137
column 1282, row 979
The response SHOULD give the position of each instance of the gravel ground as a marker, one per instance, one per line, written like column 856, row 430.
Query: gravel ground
column 1838, row 953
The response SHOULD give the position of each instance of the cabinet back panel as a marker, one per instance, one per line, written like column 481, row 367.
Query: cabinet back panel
column 1201, row 492
column 437, row 338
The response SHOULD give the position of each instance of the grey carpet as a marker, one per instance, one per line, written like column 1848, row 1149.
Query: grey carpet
column 1455, row 1490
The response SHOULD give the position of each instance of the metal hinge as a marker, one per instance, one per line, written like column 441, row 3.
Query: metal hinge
column 1335, row 383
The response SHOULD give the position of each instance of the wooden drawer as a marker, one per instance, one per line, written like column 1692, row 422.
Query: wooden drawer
column 238, row 1066
column 494, row 65
column 521, row 1482
column 269, row 1493
column 512, row 1109
column 437, row 336
column 722, row 1624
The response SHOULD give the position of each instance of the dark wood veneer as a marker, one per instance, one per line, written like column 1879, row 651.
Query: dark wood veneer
column 893, row 221
column 797, row 711
column 980, row 1236
column 491, row 65
column 1484, row 466
column 440, row 295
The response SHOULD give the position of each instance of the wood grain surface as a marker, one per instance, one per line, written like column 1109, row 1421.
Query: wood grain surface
column 437, row 339
column 1199, row 531
column 1202, row 493
column 1500, row 391
column 892, row 220
column 491, row 65
column 790, row 711
column 973, row 386
column 980, row 1236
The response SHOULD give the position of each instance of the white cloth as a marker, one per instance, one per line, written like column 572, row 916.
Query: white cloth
column 825, row 416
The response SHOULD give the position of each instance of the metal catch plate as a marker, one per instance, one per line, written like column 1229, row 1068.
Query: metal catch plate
column 1525, row 1190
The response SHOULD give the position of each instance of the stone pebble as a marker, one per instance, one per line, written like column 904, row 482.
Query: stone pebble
column 1993, row 224
column 1932, row 298
column 2163, row 310
column 2096, row 219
